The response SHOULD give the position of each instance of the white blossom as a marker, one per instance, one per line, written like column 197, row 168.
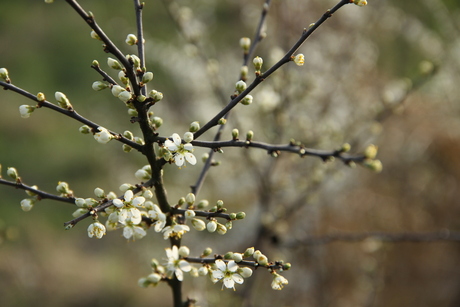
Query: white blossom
column 175, row 231
column 278, row 282
column 175, row 264
column 96, row 229
column 181, row 151
column 157, row 214
column 133, row 231
column 227, row 272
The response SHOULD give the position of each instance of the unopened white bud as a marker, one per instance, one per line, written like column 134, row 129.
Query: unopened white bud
column 25, row 110
column 131, row 39
column 184, row 251
column 198, row 224
column 240, row 86
column 114, row 64
column 99, row 86
column 147, row 77
column 188, row 137
column 245, row 43
column 99, row 192
column 247, row 100
column 85, row 129
column 95, row 35
column 211, row 226
column 125, row 96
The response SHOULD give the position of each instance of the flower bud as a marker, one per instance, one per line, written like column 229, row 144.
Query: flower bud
column 360, row 2
column 245, row 272
column 194, row 127
column 62, row 187
column 211, row 226
column 156, row 96
column 221, row 229
column 157, row 122
column 25, row 110
column 99, row 192
column 258, row 62
column 207, row 251
column 262, row 260
column 374, row 165
column 249, row 135
column 128, row 134
column 245, row 43
column 244, row 72
column 4, row 75
column 85, row 129
column 80, row 202
column 103, row 136
column 370, row 152
column 299, row 59
column 27, row 204
column 147, row 77
column 95, row 63
column 99, row 85
column 203, row 271
column 154, row 278
column 345, row 147
column 198, row 224
column 238, row 257
column 189, row 214
column 12, row 172
column 63, row 100
column 184, row 251
column 228, row 255
column 222, row 121
column 131, row 39
column 240, row 215
column 116, row 90
column 240, row 86
column 142, row 175
column 203, row 204
column 135, row 60
column 41, row 97
column 190, row 199
column 94, row 35
column 114, row 64
column 247, row 100
column 188, row 137
column 249, row 252
column 125, row 96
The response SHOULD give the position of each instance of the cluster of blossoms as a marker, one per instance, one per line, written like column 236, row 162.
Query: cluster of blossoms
column 227, row 270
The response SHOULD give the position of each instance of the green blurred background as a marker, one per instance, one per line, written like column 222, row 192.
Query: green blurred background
column 367, row 79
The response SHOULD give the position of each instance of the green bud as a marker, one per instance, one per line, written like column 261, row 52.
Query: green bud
column 258, row 62
column 129, row 135
column 228, row 255
column 220, row 204
column 85, row 129
column 156, row 96
column 41, row 97
column 131, row 39
column 240, row 215
column 126, row 148
column 371, row 152
column 286, row 266
column 202, row 204
column 374, row 165
column 95, row 63
column 4, row 75
column 63, row 101
column 229, row 225
column 247, row 100
column 99, row 86
column 147, row 77
column 190, row 199
column 94, row 35
column 232, row 216
column 114, row 64
column 141, row 98
column 244, row 72
column 240, row 86
column 157, row 121
column 207, row 251
column 12, row 172
column 181, row 201
column 235, row 134
column 249, row 135
column 249, row 251
column 345, row 147
column 222, row 121
column 194, row 127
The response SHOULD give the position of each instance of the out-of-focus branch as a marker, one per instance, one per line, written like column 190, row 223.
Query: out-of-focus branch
column 444, row 235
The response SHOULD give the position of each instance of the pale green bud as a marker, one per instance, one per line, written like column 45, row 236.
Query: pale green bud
column 4, row 75
column 374, row 165
column 188, row 137
column 249, row 252
column 198, row 224
column 205, row 157
column 143, row 282
column 85, row 129
column 371, row 151
column 235, row 134
column 232, row 216
column 62, row 187
column 220, row 204
column 30, row 193
column 122, row 77
column 203, row 204
column 229, row 225
column 228, row 255
column 63, row 101
column 238, row 257
column 249, row 135
column 27, row 204
column 114, row 64
column 99, row 85
column 94, row 35
column 240, row 215
column 194, row 127
column 240, row 86
column 135, row 59
column 157, row 121
column 360, row 2
column 128, row 134
column 203, row 271
column 258, row 62
column 181, row 201
column 25, row 110
column 147, row 77
column 99, row 192
column 156, row 96
column 190, row 199
column 79, row 212
column 95, row 63
column 141, row 98
column 41, row 97
column 125, row 96
column 125, row 187
column 142, row 174
column 91, row 202
column 247, row 100
column 184, row 251
column 154, row 278
column 222, row 121
column 80, row 202
column 245, row 272
column 244, row 71
column 221, row 229
column 345, row 147
column 245, row 43
column 211, row 226
column 131, row 39
column 207, row 251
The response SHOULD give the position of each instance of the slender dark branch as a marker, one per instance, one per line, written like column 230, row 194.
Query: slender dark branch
column 70, row 113
column 104, row 74
column 140, row 37
column 272, row 265
column 415, row 237
column 270, row 148
column 258, row 36
column 40, row 193
column 109, row 45
column 286, row 59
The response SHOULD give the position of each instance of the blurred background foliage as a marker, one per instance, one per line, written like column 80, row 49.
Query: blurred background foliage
column 386, row 74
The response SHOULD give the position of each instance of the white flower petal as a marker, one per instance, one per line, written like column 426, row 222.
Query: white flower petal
column 176, row 138
column 237, row 278
column 127, row 232
column 220, row 264
column 185, row 266
column 179, row 159
column 190, row 158
column 170, row 145
column 229, row 283
column 188, row 147
column 232, row 266
column 129, row 195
